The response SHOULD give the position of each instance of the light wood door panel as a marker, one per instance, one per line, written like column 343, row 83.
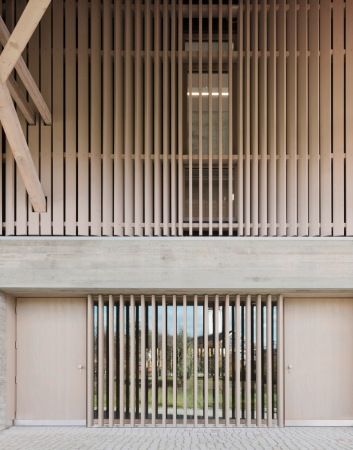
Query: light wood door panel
column 318, row 346
column 51, row 341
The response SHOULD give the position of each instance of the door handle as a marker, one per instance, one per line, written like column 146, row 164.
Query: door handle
column 290, row 367
column 80, row 367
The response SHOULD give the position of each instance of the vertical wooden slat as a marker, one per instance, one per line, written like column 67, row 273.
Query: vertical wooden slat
column 246, row 122
column 58, row 117
column 226, row 361
column 166, row 118
column 210, row 120
column 254, row 119
column 248, row 360
column 148, row 123
column 173, row 124
column 195, row 362
column 216, row 359
column 2, row 172
column 184, row 360
column 82, row 118
column 220, row 117
column 303, row 188
column 263, row 105
column 132, row 361
column 122, row 361
column 175, row 332
column 281, row 120
column 95, row 119
column 181, row 105
column 128, row 124
column 164, row 361
column 10, row 186
column 111, row 361
column 240, row 124
column 258, row 361
column 237, row 362
column 143, row 361
column 34, row 130
column 157, row 121
column 349, row 117
column 70, row 117
column 325, row 117
column 230, row 120
column 206, row 328
column 100, row 361
column 280, row 363
column 269, row 359
column 107, row 119
column 138, row 119
column 154, row 361
column 118, row 123
column 313, row 128
column 190, row 149
column 271, row 119
column 21, row 212
column 90, row 349
column 200, row 131
column 338, row 117
column 292, row 118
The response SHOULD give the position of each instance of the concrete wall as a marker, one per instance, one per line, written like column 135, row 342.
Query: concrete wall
column 7, row 360
column 11, row 360
column 2, row 361
column 52, row 266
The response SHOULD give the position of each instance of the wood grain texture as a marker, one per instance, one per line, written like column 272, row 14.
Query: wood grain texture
column 318, row 359
column 44, row 328
column 169, row 119
column 325, row 119
column 58, row 120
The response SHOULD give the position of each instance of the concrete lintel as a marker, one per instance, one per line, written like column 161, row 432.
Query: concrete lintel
column 176, row 264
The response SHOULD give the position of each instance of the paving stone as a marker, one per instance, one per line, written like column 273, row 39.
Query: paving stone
column 80, row 438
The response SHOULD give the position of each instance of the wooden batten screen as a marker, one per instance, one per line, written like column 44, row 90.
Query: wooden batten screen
column 176, row 117
column 192, row 360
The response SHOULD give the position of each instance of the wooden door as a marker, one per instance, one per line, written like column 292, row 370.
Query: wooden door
column 51, row 348
column 318, row 361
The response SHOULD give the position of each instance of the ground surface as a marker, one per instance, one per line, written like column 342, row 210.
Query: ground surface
column 72, row 438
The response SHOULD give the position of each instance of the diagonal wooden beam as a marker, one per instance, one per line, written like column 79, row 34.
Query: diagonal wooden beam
column 20, row 36
column 20, row 150
column 15, row 45
column 27, row 78
column 21, row 101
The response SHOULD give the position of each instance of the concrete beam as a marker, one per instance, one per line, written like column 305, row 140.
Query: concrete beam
column 110, row 265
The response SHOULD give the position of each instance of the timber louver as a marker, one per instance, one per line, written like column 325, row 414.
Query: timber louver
column 197, row 360
column 189, row 118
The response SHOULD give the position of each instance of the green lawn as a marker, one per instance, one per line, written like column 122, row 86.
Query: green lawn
column 190, row 394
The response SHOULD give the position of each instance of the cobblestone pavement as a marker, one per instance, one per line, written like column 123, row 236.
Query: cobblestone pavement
column 74, row 438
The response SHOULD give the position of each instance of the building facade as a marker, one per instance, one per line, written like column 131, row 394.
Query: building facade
column 176, row 246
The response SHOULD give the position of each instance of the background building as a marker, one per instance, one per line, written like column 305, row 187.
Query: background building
column 177, row 245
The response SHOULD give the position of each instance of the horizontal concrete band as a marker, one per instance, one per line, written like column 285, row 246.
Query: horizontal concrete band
column 109, row 265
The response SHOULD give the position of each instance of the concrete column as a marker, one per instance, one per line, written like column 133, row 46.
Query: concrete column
column 3, row 361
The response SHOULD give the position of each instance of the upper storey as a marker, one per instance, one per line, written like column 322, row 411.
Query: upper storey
column 177, row 118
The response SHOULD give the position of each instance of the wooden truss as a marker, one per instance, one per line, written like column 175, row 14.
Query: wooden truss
column 10, row 58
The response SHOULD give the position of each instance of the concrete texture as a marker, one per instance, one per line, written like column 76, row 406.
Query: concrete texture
column 110, row 265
